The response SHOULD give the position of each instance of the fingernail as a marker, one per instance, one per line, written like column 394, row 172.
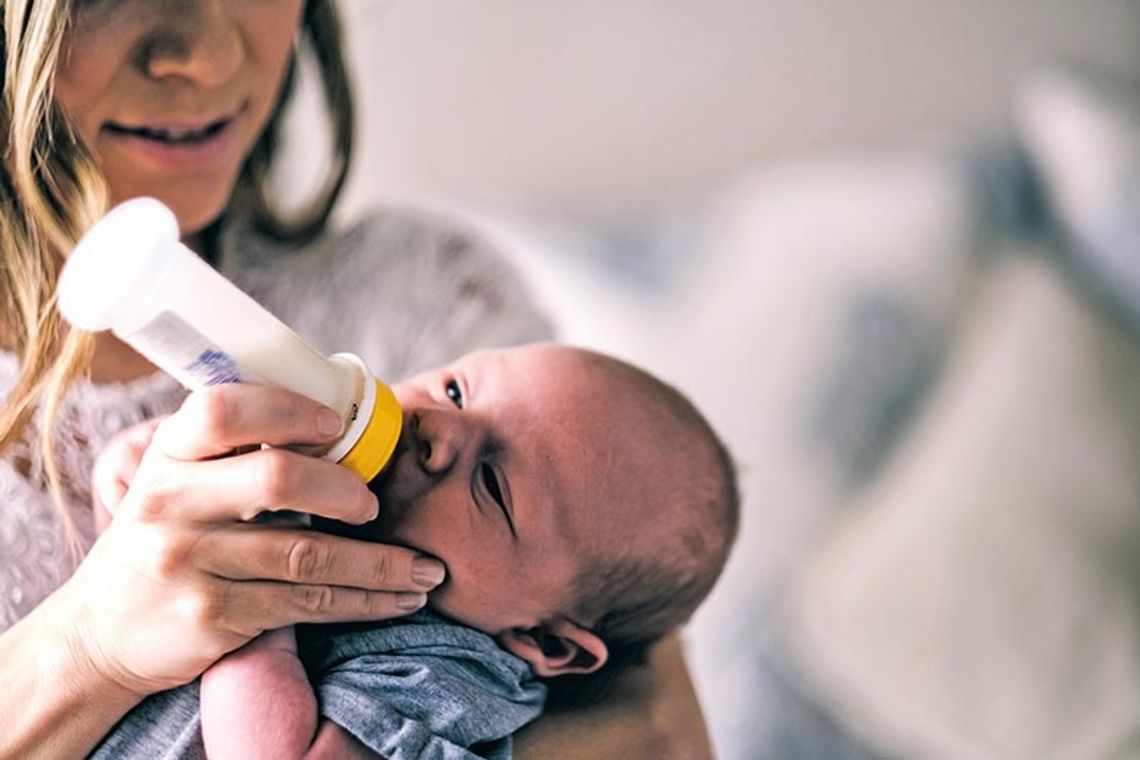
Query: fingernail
column 329, row 422
column 428, row 572
column 410, row 600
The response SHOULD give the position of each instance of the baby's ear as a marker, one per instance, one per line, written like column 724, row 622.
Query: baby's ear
column 556, row 648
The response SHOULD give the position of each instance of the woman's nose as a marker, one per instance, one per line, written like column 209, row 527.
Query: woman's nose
column 202, row 44
column 440, row 438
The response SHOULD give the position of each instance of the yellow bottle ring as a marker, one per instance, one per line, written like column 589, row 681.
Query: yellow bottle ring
column 377, row 442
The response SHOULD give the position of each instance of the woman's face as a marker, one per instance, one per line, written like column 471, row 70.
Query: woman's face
column 171, row 95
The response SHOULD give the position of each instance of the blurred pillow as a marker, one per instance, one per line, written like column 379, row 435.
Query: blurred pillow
column 828, row 289
column 1082, row 134
column 983, row 602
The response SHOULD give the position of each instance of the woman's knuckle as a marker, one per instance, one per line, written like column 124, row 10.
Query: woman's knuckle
column 308, row 560
column 378, row 605
column 294, row 410
column 381, row 569
column 205, row 610
column 316, row 600
column 147, row 505
column 216, row 411
column 150, row 500
column 274, row 477
column 169, row 560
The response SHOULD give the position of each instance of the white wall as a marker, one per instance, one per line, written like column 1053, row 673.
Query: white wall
column 628, row 105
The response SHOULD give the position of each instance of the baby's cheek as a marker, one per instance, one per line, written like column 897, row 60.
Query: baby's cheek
column 470, row 603
column 448, row 600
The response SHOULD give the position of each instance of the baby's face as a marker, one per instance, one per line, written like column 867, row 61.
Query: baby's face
column 504, row 470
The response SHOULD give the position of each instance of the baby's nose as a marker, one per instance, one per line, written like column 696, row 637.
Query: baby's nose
column 425, row 452
column 438, row 440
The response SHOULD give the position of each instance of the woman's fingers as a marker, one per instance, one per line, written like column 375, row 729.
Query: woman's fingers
column 268, row 605
column 116, row 466
column 241, row 487
column 194, row 578
column 309, row 557
column 216, row 421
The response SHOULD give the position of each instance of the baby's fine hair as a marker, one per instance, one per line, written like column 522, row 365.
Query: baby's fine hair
column 636, row 600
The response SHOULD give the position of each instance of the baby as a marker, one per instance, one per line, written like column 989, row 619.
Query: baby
column 583, row 509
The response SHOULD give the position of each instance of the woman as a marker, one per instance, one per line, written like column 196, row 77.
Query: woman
column 111, row 99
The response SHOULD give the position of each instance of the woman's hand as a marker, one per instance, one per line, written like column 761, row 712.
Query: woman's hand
column 181, row 577
column 115, row 469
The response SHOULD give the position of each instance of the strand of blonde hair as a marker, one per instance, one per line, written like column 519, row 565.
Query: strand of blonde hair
column 55, row 191
column 51, row 190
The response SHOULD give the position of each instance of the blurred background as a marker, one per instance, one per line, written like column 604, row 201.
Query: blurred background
column 892, row 249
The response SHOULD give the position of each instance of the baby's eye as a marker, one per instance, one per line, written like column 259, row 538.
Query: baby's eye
column 494, row 489
column 491, row 483
column 453, row 393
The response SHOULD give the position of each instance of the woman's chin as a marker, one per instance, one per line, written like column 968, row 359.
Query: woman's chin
column 194, row 207
column 194, row 215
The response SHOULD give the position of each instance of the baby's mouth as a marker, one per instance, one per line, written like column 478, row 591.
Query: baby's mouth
column 385, row 487
column 399, row 482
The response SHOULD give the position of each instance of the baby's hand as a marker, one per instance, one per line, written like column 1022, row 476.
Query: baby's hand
column 257, row 701
column 115, row 468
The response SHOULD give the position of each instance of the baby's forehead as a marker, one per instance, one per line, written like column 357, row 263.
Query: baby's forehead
column 594, row 412
column 599, row 375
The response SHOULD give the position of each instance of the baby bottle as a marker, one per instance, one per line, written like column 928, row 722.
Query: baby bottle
column 132, row 275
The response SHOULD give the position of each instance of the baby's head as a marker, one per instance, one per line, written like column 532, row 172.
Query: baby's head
column 583, row 508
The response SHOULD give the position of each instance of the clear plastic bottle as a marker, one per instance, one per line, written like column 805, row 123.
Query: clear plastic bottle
column 131, row 274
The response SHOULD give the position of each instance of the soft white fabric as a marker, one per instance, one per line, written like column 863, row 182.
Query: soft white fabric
column 980, row 603
column 1082, row 133
column 837, row 279
column 405, row 291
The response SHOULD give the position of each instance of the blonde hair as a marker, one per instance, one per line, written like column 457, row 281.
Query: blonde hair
column 51, row 190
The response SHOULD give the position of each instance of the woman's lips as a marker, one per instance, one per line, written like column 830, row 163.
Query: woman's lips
column 176, row 146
